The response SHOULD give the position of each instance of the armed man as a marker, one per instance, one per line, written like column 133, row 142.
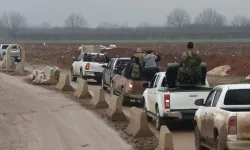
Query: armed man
column 190, row 65
column 139, row 54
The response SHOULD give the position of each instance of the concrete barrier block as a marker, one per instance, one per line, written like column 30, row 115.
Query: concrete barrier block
column 165, row 139
column 115, row 109
column 138, row 125
column 82, row 91
column 99, row 100
column 64, row 83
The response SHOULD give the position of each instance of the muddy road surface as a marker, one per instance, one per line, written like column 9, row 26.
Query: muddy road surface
column 182, row 132
column 33, row 118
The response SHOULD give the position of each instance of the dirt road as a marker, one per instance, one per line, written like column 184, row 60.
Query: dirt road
column 33, row 118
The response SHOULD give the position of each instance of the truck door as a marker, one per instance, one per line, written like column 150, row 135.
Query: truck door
column 204, row 121
column 152, row 93
column 211, row 115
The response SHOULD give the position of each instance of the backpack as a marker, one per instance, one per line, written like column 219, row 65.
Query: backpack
column 141, row 58
column 193, row 59
column 135, row 71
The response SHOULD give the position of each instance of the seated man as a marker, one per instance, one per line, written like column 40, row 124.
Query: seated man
column 189, row 71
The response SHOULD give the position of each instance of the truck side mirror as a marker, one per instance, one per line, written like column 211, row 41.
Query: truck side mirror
column 199, row 102
column 145, row 85
column 116, row 71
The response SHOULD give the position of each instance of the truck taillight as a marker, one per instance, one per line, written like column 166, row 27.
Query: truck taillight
column 167, row 101
column 87, row 66
column 232, row 125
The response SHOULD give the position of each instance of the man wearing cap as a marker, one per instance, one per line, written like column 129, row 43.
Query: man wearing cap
column 139, row 54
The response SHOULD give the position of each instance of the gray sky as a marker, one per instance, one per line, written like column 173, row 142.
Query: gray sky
column 132, row 12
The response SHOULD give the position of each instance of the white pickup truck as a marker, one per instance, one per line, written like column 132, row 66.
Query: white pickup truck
column 223, row 120
column 86, row 67
column 163, row 103
column 15, row 52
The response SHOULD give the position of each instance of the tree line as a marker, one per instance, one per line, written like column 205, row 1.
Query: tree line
column 178, row 25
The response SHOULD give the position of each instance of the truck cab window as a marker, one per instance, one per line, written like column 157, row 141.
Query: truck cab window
column 164, row 84
column 112, row 64
column 156, row 81
column 109, row 64
column 80, row 57
column 237, row 97
column 152, row 82
column 210, row 98
column 216, row 97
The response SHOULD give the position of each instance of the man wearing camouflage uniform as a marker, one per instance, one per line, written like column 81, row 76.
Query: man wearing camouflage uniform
column 190, row 65
column 139, row 55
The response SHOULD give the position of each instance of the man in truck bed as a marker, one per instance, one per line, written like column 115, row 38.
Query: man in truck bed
column 190, row 66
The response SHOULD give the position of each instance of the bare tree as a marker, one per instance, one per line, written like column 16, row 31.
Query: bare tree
column 13, row 21
column 210, row 17
column 75, row 21
column 178, row 18
column 240, row 21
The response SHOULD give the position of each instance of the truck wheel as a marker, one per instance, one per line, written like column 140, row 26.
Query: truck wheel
column 103, row 87
column 84, row 78
column 159, row 120
column 125, row 100
column 73, row 78
column 197, row 139
column 145, row 108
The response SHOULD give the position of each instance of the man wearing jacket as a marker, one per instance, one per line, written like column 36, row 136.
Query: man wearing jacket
column 150, row 66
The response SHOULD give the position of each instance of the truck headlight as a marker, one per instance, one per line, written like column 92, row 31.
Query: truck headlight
column 130, row 85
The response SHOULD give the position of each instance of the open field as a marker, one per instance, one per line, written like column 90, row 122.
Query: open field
column 139, row 41
column 237, row 55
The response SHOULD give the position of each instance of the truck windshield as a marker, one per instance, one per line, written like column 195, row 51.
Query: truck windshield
column 237, row 97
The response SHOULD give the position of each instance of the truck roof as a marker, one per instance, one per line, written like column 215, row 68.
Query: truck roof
column 125, row 58
column 93, row 53
column 234, row 86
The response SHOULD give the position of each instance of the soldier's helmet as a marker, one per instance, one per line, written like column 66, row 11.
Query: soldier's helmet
column 139, row 50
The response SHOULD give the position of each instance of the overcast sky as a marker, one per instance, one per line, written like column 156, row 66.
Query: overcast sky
column 132, row 12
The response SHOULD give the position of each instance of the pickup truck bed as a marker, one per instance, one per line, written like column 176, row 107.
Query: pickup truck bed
column 88, row 69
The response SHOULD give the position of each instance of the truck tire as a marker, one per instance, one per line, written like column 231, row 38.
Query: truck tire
column 125, row 100
column 145, row 108
column 73, row 78
column 103, row 86
column 197, row 139
column 159, row 120
column 83, row 77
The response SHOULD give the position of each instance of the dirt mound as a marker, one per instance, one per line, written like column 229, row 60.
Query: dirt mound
column 219, row 71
